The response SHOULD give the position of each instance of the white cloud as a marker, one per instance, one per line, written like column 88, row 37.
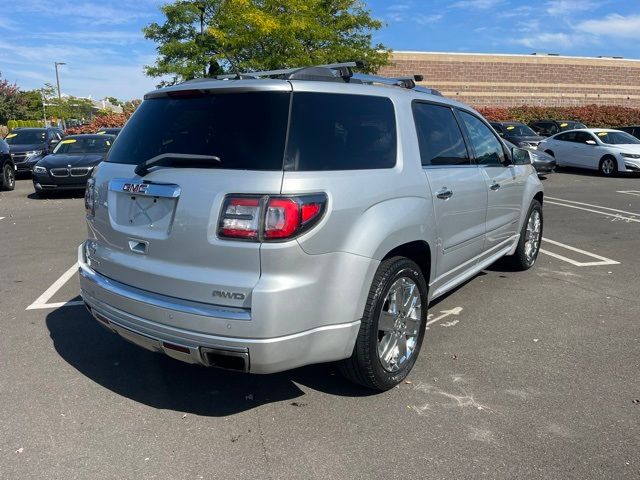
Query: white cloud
column 613, row 25
column 477, row 4
column 558, row 8
column 403, row 12
column 554, row 42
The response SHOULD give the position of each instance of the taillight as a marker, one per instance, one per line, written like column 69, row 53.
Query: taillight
column 240, row 218
column 270, row 218
column 89, row 197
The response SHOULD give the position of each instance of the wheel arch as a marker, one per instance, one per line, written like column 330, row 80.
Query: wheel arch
column 418, row 251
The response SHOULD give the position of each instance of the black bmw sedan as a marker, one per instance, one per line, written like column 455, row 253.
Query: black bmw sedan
column 71, row 163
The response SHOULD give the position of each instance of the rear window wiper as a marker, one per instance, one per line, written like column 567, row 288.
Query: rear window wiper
column 168, row 158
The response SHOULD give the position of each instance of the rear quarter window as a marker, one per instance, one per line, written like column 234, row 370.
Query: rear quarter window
column 341, row 132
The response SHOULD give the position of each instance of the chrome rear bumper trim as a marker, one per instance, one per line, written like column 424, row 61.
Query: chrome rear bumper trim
column 162, row 301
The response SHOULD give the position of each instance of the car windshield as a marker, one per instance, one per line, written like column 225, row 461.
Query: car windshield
column 79, row 145
column 25, row 137
column 519, row 130
column 571, row 126
column 617, row 138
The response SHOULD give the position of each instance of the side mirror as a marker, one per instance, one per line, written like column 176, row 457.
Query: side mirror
column 591, row 142
column 520, row 156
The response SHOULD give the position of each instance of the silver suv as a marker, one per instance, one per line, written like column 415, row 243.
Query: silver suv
column 279, row 219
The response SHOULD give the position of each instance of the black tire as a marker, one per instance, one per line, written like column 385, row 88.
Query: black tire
column 8, row 180
column 606, row 161
column 520, row 260
column 364, row 366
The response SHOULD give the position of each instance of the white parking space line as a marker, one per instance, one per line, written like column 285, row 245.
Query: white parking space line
column 41, row 301
column 630, row 192
column 601, row 260
column 594, row 206
column 616, row 216
column 2, row 218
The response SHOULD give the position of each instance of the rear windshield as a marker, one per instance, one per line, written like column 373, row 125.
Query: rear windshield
column 245, row 130
column 249, row 131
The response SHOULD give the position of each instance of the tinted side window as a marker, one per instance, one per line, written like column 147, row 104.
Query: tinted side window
column 488, row 148
column 566, row 137
column 582, row 137
column 439, row 136
column 341, row 132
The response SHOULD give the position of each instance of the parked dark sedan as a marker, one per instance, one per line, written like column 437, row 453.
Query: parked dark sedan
column 542, row 162
column 631, row 130
column 71, row 163
column 517, row 133
column 7, row 168
column 29, row 145
column 546, row 128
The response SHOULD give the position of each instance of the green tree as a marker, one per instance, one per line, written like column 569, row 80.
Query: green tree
column 33, row 100
column 11, row 102
column 202, row 37
column 66, row 107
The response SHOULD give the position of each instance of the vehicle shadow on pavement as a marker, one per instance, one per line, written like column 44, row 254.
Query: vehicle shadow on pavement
column 161, row 382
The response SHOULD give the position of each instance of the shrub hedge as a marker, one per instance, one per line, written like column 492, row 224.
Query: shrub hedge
column 596, row 116
column 100, row 121
column 11, row 124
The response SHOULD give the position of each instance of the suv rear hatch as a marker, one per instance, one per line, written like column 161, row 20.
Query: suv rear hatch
column 158, row 231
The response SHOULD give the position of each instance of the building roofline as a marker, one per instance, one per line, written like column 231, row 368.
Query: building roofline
column 526, row 55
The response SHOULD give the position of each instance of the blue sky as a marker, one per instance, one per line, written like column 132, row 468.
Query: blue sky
column 102, row 43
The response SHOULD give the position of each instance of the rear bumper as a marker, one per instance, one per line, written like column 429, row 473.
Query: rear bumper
column 142, row 318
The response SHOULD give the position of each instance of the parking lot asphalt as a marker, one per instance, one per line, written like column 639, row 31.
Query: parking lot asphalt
column 522, row 375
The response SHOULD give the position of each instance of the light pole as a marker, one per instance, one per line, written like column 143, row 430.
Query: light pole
column 44, row 112
column 64, row 126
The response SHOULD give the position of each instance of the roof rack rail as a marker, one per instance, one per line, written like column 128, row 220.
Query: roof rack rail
column 404, row 82
column 332, row 72
column 342, row 70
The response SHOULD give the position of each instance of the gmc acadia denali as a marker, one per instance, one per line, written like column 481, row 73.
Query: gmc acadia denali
column 264, row 221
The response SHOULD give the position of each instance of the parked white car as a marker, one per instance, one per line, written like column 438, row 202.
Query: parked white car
column 609, row 151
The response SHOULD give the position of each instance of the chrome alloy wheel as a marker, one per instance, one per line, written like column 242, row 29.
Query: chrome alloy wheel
column 399, row 324
column 608, row 167
column 532, row 237
column 9, row 177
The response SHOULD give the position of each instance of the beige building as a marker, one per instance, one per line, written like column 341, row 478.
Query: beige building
column 513, row 80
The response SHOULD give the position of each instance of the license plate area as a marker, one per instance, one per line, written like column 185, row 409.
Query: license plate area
column 142, row 209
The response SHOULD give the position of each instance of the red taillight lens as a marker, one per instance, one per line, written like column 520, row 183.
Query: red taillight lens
column 284, row 217
column 240, row 218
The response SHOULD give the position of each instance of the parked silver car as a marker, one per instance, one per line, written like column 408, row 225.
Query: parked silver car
column 608, row 151
column 261, row 224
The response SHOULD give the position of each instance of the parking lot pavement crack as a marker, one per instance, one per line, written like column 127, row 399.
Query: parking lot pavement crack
column 590, row 290
column 263, row 445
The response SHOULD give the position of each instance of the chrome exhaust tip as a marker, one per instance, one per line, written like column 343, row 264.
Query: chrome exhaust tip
column 226, row 359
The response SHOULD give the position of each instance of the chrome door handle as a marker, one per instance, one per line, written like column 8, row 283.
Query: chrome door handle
column 445, row 193
column 494, row 186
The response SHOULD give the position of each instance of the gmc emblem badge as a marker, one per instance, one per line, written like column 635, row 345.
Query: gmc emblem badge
column 135, row 187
